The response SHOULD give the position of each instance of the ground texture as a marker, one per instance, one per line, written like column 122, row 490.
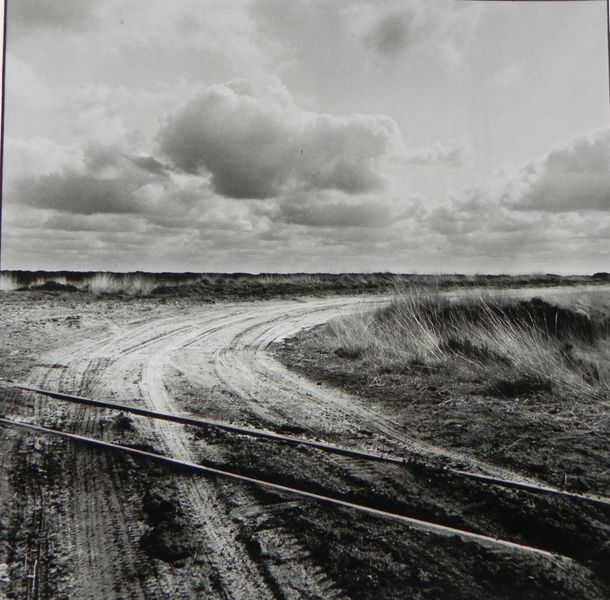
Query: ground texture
column 80, row 523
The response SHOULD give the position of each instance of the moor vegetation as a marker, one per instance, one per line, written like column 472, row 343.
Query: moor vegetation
column 518, row 381
column 262, row 285
column 529, row 343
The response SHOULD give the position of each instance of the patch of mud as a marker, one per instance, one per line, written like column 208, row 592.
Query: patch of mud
column 374, row 559
column 168, row 537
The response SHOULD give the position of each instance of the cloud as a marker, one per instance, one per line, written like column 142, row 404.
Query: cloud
column 257, row 144
column 149, row 163
column 441, row 30
column 456, row 152
column 338, row 211
column 344, row 32
column 81, row 194
column 397, row 31
column 574, row 176
column 45, row 157
column 65, row 14
column 102, row 184
column 552, row 215
column 55, row 221
column 96, row 179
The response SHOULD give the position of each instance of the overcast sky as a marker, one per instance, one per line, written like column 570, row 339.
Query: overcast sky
column 318, row 135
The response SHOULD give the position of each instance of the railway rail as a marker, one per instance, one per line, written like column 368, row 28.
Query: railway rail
column 182, row 465
column 297, row 441
column 191, row 467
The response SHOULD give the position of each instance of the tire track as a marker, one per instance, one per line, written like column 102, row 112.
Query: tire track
column 102, row 552
column 238, row 568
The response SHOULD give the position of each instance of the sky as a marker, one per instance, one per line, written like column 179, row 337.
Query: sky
column 322, row 135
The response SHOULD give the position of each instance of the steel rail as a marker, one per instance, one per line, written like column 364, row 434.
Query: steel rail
column 205, row 423
column 484, row 540
column 276, row 437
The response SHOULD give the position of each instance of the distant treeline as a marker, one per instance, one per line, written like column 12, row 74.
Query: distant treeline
column 220, row 285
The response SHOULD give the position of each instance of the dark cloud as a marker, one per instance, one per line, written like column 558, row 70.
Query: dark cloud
column 406, row 27
column 391, row 34
column 79, row 194
column 572, row 177
column 149, row 163
column 257, row 144
column 63, row 14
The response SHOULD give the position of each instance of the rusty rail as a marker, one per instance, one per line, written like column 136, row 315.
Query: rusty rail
column 324, row 446
column 444, row 530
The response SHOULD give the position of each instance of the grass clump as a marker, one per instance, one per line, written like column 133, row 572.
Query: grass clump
column 516, row 345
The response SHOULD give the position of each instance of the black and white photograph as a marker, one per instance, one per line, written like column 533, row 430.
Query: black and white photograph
column 305, row 300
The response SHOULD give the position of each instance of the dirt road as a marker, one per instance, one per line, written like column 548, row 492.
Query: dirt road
column 88, row 525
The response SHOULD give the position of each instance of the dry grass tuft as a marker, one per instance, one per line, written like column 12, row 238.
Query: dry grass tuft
column 526, row 344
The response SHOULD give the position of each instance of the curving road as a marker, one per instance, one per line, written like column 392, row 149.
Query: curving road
column 211, row 346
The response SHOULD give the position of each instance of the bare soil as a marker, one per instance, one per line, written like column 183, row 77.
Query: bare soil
column 80, row 523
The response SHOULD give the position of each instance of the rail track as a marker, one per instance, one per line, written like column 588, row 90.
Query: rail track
column 336, row 501
column 324, row 446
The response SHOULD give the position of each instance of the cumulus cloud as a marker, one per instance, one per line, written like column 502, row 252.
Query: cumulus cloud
column 257, row 143
column 552, row 212
column 574, row 176
column 98, row 187
column 94, row 179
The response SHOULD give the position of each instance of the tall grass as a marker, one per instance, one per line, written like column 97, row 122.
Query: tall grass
column 125, row 283
column 8, row 282
column 96, row 282
column 528, row 341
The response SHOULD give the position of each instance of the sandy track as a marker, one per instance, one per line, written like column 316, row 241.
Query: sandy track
column 98, row 543
column 217, row 353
